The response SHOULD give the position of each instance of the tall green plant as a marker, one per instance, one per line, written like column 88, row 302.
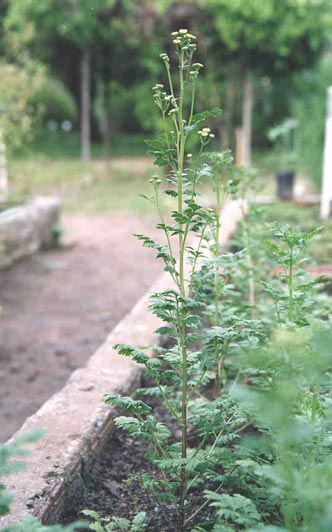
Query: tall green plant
column 291, row 296
column 181, row 370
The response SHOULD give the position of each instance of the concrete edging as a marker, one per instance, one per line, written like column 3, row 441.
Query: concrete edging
column 76, row 420
column 27, row 228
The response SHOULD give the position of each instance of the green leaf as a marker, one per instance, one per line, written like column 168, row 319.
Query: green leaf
column 133, row 353
column 165, row 330
column 139, row 522
column 236, row 508
column 129, row 404
column 172, row 193
column 198, row 118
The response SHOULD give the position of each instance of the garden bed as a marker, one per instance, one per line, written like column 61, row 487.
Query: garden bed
column 77, row 423
column 113, row 484
column 81, row 461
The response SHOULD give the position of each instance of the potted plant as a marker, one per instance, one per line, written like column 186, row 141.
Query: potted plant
column 282, row 135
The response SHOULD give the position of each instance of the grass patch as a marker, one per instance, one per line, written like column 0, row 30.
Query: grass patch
column 103, row 187
column 62, row 145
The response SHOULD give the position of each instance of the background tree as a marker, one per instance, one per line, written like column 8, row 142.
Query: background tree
column 20, row 80
column 79, row 24
column 269, row 38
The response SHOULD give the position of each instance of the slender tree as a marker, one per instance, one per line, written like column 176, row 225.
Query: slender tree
column 79, row 23
column 266, row 38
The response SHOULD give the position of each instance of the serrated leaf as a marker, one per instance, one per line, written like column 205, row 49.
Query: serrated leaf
column 165, row 330
column 129, row 404
column 200, row 117
column 172, row 193
column 133, row 353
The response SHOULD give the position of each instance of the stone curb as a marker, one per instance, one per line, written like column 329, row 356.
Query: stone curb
column 76, row 420
column 27, row 228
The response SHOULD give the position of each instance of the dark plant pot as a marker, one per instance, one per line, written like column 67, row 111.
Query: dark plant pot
column 285, row 184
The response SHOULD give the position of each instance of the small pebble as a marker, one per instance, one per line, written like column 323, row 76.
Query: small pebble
column 86, row 388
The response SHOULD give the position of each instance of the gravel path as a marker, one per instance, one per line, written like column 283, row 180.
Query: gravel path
column 59, row 306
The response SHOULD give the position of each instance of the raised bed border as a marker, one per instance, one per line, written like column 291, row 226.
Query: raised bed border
column 27, row 228
column 76, row 420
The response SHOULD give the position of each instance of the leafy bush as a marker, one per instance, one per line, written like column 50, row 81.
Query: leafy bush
column 55, row 101
column 18, row 86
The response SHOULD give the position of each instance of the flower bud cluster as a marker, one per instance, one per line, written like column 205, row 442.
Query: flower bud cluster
column 206, row 135
column 155, row 180
column 194, row 70
column 165, row 58
column 161, row 98
column 184, row 41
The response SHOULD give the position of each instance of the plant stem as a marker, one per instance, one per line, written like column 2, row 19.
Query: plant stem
column 182, row 339
column 250, row 266
column 174, row 275
column 216, row 252
column 290, row 285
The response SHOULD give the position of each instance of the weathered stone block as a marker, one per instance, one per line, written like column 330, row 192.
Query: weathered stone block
column 27, row 228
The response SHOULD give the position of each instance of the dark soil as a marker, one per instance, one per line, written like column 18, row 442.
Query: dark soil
column 113, row 487
column 59, row 306
column 110, row 494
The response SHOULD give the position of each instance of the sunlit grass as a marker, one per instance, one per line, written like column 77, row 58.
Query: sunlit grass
column 103, row 187
column 55, row 168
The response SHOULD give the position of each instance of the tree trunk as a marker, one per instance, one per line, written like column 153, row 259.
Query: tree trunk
column 105, row 123
column 3, row 170
column 227, row 126
column 85, row 105
column 247, row 107
column 107, row 134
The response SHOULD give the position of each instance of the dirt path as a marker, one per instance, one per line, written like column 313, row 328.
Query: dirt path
column 58, row 307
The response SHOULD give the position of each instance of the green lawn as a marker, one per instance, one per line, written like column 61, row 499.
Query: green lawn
column 103, row 187
column 52, row 165
column 59, row 145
